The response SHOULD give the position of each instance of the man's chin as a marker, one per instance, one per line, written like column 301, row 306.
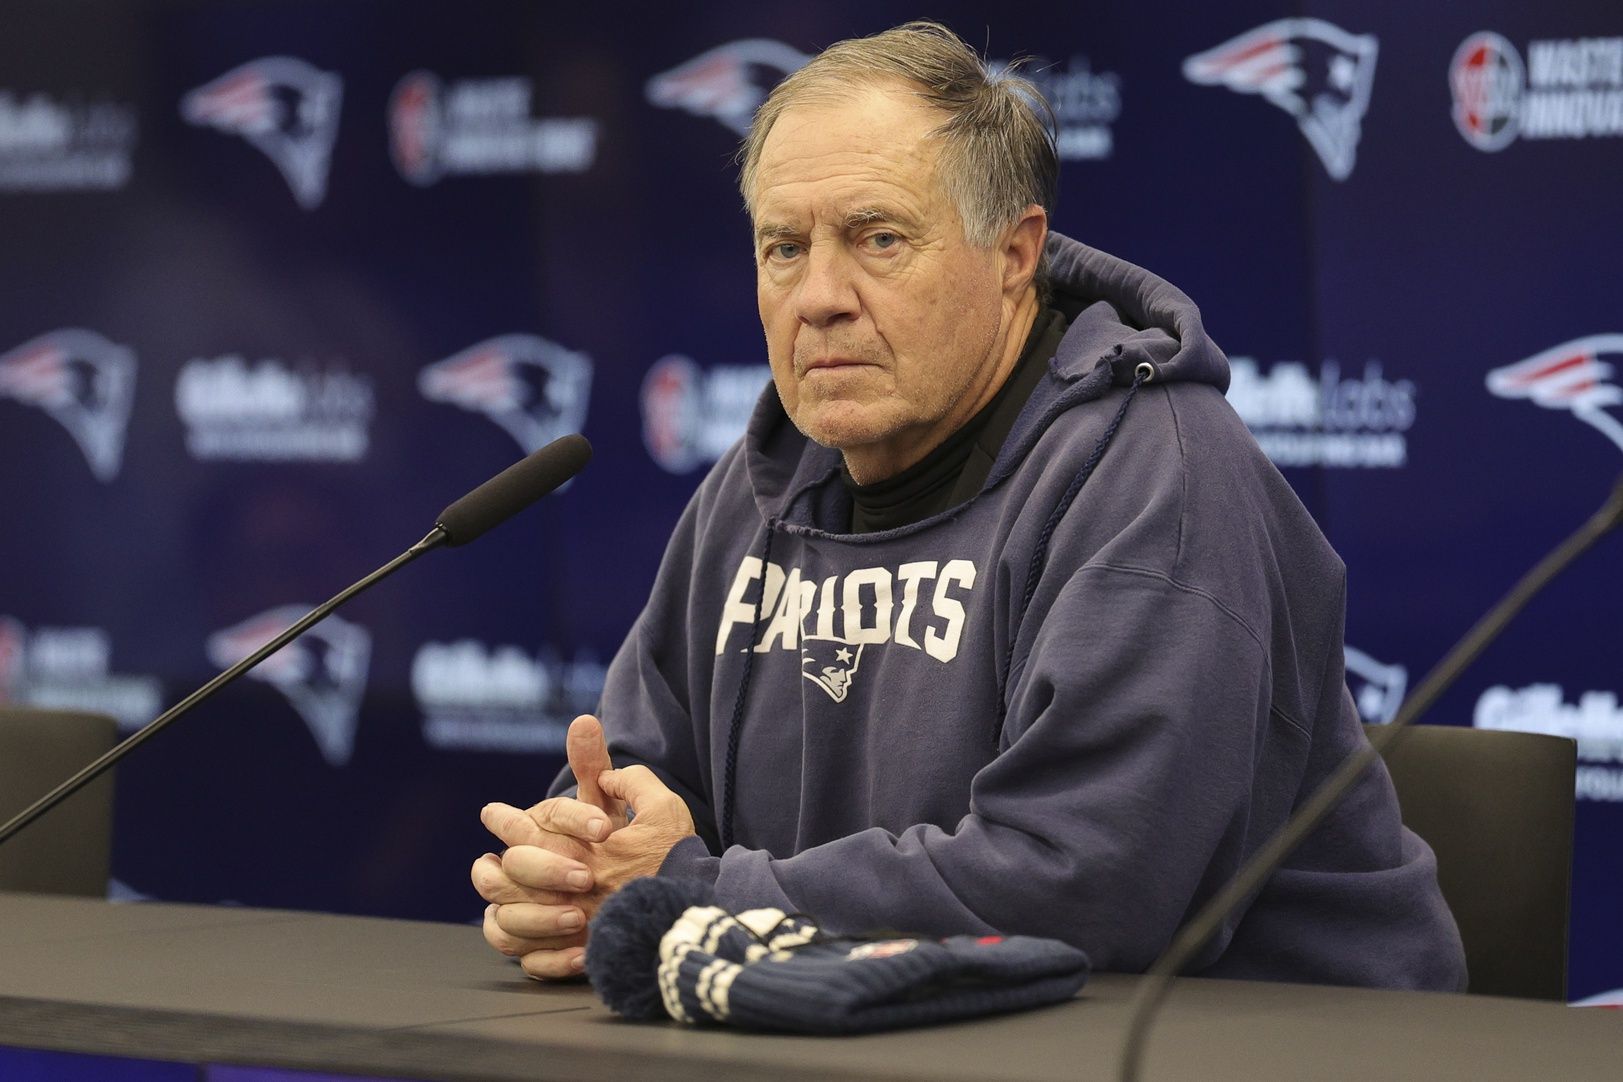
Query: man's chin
column 842, row 430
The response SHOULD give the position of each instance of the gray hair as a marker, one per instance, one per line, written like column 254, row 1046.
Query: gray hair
column 997, row 144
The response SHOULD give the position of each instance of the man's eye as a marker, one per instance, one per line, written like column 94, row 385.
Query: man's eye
column 882, row 241
column 786, row 249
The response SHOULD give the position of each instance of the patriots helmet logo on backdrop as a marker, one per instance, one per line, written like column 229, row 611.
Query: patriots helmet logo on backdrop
column 1377, row 688
column 534, row 389
column 286, row 108
column 728, row 82
column 1312, row 69
column 84, row 382
column 830, row 663
column 322, row 672
column 1572, row 376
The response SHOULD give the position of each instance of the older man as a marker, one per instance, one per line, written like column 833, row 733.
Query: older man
column 996, row 620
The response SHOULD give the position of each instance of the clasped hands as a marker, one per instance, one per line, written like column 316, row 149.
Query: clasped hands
column 566, row 855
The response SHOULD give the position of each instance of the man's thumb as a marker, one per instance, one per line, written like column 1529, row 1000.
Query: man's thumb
column 589, row 757
column 647, row 796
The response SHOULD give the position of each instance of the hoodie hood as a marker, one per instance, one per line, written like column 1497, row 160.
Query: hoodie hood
column 1121, row 317
column 1118, row 308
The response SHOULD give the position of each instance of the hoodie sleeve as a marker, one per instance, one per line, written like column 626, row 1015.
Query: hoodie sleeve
column 1122, row 793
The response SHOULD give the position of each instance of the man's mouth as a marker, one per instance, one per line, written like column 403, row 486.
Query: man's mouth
column 824, row 363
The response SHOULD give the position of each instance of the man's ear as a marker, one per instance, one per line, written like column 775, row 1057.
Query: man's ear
column 1022, row 247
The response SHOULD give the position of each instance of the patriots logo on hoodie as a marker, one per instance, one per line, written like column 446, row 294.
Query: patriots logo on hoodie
column 322, row 672
column 286, row 108
column 830, row 663
column 728, row 82
column 1571, row 376
column 1314, row 70
column 84, row 382
column 534, row 389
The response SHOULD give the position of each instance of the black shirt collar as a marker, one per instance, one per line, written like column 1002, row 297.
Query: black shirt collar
column 955, row 471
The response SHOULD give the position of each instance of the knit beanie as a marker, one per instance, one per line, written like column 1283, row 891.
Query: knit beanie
column 662, row 947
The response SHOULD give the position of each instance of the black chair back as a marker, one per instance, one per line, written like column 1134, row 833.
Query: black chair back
column 1497, row 808
column 68, row 849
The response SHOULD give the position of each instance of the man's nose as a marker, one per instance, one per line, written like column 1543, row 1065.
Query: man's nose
column 827, row 289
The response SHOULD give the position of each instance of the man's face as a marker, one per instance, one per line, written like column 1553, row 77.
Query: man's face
column 884, row 326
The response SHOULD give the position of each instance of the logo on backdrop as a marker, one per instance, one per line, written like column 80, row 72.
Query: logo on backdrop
column 1569, row 89
column 1595, row 721
column 322, row 672
column 1571, row 376
column 1485, row 78
column 691, row 415
column 481, row 127
column 286, row 108
column 70, row 668
column 478, row 698
column 1377, row 689
column 49, row 144
column 727, row 83
column 271, row 412
column 1086, row 103
column 84, row 382
column 1325, row 419
column 1314, row 70
column 534, row 389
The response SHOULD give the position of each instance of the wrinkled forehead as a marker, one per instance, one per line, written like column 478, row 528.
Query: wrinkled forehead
column 863, row 145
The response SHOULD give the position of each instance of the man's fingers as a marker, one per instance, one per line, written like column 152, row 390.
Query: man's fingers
column 562, row 824
column 526, row 920
column 552, row 956
column 514, row 826
column 507, row 944
column 492, row 882
column 571, row 818
column 554, row 965
column 588, row 757
column 540, row 869
column 495, row 885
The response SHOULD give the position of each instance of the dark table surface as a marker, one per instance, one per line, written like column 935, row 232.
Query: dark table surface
column 417, row 1000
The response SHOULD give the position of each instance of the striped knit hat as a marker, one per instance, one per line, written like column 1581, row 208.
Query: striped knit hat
column 661, row 947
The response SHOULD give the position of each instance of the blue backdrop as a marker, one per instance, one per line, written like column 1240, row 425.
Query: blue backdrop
column 282, row 279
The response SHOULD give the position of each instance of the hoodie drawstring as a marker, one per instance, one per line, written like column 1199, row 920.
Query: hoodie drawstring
column 729, row 788
column 1141, row 375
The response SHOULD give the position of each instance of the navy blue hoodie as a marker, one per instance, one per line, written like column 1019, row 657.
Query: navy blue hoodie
column 1051, row 710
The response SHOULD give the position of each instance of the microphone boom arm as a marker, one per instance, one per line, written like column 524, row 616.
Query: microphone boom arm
column 488, row 506
column 434, row 539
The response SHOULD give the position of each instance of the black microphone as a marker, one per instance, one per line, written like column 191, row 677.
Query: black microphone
column 487, row 506
column 1157, row 982
column 514, row 489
